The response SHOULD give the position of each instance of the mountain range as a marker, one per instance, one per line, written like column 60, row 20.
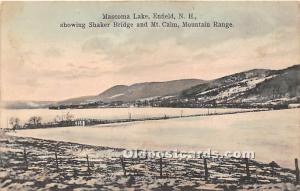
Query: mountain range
column 257, row 86
column 138, row 91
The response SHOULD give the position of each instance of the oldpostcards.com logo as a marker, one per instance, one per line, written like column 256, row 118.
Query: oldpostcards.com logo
column 175, row 154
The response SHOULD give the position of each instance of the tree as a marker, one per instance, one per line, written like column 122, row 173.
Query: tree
column 35, row 120
column 14, row 122
column 57, row 118
column 69, row 116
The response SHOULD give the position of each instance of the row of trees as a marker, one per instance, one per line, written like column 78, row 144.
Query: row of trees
column 15, row 122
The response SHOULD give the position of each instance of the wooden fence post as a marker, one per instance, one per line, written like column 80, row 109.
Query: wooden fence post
column 56, row 161
column 129, row 116
column 88, row 164
column 160, row 166
column 123, row 165
column 205, row 169
column 247, row 168
column 25, row 158
column 297, row 170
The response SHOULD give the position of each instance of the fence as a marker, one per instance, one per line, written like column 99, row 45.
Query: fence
column 160, row 166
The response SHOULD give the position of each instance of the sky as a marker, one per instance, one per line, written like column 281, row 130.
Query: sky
column 41, row 61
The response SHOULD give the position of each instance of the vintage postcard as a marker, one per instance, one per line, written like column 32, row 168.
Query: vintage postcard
column 147, row 95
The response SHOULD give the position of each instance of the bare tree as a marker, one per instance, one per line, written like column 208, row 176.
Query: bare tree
column 57, row 118
column 14, row 122
column 35, row 120
column 69, row 116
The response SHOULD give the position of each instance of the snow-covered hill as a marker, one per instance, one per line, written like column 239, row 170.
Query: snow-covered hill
column 254, row 86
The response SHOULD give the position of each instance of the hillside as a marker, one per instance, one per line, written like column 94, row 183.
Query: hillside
column 136, row 91
column 147, row 90
column 254, row 86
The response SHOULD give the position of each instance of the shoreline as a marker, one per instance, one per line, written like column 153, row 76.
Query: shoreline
column 104, row 169
column 92, row 122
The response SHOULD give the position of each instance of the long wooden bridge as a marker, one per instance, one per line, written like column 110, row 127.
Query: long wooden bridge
column 84, row 122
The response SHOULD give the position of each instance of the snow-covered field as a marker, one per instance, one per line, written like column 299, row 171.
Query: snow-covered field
column 106, row 173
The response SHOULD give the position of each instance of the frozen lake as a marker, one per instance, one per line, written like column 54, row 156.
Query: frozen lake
column 272, row 135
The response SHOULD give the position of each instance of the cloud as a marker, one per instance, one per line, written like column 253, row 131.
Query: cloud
column 39, row 57
column 53, row 52
column 101, row 44
column 96, row 43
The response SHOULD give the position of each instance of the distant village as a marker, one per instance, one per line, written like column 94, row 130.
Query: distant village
column 175, row 102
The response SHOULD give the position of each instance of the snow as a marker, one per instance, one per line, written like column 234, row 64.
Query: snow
column 149, row 98
column 294, row 105
column 167, row 97
column 238, row 88
column 116, row 95
column 142, row 174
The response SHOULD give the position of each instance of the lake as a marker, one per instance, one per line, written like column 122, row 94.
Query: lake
column 272, row 135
